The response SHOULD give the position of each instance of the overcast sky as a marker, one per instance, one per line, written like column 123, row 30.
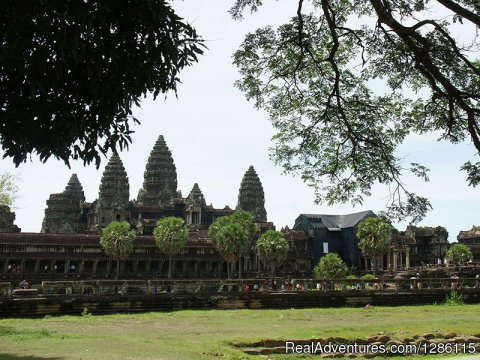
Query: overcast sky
column 215, row 134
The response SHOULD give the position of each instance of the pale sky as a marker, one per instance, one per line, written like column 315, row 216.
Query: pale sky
column 214, row 135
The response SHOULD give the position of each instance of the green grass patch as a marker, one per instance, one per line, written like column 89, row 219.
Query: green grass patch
column 209, row 334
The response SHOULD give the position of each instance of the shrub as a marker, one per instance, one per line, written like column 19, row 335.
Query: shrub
column 459, row 253
column 454, row 299
column 331, row 266
column 86, row 312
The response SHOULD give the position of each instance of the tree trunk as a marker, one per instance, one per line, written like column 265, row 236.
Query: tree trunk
column 118, row 269
column 170, row 267
column 240, row 267
column 374, row 265
column 273, row 275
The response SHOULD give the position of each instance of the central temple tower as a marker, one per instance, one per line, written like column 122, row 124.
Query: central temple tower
column 251, row 196
column 160, row 178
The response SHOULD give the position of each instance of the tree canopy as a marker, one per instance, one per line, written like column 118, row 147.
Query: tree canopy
column 375, row 238
column 330, row 266
column 117, row 240
column 171, row 236
column 459, row 253
column 272, row 249
column 232, row 236
column 345, row 82
column 71, row 72
column 8, row 189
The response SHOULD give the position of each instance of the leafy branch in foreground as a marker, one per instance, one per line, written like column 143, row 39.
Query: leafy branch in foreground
column 316, row 77
column 8, row 188
column 72, row 71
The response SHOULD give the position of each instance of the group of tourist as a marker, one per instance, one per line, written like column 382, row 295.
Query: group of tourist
column 272, row 285
column 23, row 285
column 14, row 269
column 445, row 262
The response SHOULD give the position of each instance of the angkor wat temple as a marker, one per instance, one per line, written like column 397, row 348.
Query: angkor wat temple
column 69, row 213
column 68, row 245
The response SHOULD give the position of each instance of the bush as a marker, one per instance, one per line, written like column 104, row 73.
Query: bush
column 368, row 277
column 86, row 312
column 454, row 299
column 459, row 253
column 330, row 267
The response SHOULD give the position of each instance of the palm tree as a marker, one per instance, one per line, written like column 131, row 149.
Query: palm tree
column 117, row 240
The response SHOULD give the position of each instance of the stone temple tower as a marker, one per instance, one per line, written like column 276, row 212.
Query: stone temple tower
column 160, row 178
column 74, row 189
column 63, row 211
column 195, row 202
column 196, row 196
column 251, row 196
column 113, row 194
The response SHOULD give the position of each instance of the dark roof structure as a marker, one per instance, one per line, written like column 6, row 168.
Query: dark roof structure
column 333, row 233
column 337, row 222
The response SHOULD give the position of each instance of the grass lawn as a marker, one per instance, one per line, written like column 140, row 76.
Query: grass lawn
column 208, row 334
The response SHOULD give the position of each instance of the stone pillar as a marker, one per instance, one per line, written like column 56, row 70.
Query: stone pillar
column 389, row 260
column 5, row 266
column 184, row 267
column 66, row 266
column 365, row 262
column 94, row 266
column 52, row 267
column 109, row 266
column 135, row 266
column 195, row 274
column 147, row 266
column 81, row 266
column 407, row 258
column 395, row 265
column 37, row 263
column 174, row 263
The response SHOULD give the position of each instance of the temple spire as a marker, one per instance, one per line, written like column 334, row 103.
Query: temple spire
column 114, row 187
column 196, row 197
column 63, row 211
column 74, row 189
column 160, row 177
column 113, row 194
column 251, row 196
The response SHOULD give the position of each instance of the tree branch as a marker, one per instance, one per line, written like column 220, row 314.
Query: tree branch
column 460, row 10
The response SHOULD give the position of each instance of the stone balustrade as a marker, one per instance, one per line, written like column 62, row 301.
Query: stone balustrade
column 158, row 286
